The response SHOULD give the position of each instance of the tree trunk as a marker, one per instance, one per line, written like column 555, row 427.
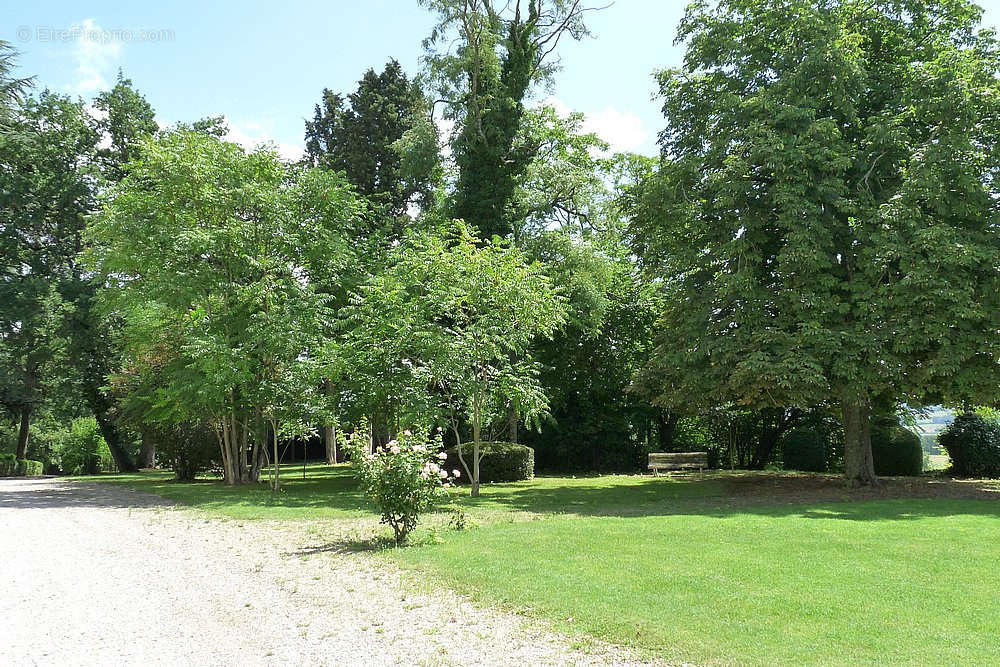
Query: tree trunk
column 511, row 425
column 859, row 467
column 147, row 451
column 277, row 463
column 476, row 433
column 665, row 429
column 330, row 442
column 22, row 433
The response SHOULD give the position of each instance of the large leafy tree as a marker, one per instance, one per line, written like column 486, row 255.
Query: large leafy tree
column 485, row 58
column 454, row 318
column 825, row 214
column 213, row 257
column 358, row 134
column 46, row 196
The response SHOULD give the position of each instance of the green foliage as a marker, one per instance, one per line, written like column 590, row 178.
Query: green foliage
column 501, row 55
column 187, row 449
column 8, row 464
column 232, row 307
column 404, row 478
column 453, row 318
column 80, row 449
column 11, row 467
column 11, row 87
column 831, row 241
column 896, row 450
column 125, row 119
column 973, row 444
column 379, row 139
column 29, row 468
column 501, row 461
column 804, row 449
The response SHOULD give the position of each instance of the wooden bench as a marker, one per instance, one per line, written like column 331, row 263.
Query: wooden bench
column 677, row 461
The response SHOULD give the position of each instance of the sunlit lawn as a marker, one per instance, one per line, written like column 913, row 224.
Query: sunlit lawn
column 674, row 567
column 330, row 492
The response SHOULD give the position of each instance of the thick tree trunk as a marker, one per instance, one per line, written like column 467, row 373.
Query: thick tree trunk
column 329, row 435
column 859, row 467
column 665, row 429
column 22, row 434
column 147, row 451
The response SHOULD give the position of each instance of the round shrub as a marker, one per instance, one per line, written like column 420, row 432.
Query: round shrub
column 973, row 443
column 804, row 449
column 895, row 450
column 187, row 449
column 502, row 462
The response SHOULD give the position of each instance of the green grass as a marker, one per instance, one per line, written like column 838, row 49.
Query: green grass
column 882, row 582
column 330, row 492
column 678, row 567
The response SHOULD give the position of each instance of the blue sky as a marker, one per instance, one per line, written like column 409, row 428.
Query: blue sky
column 264, row 68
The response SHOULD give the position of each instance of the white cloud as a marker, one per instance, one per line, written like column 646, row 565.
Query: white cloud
column 95, row 57
column 622, row 130
column 252, row 134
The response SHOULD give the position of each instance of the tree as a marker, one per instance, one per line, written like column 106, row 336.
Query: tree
column 209, row 253
column 44, row 201
column 455, row 318
column 824, row 218
column 11, row 87
column 501, row 54
column 125, row 118
column 358, row 135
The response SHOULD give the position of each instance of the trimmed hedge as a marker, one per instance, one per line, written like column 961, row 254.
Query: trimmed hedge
column 895, row 450
column 804, row 449
column 973, row 443
column 27, row 468
column 11, row 467
column 502, row 462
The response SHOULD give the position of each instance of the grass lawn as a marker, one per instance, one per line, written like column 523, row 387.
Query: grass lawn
column 719, row 569
column 879, row 582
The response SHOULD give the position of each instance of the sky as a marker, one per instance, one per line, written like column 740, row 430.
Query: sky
column 264, row 68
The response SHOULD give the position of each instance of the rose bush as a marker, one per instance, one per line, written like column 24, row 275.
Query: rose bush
column 403, row 478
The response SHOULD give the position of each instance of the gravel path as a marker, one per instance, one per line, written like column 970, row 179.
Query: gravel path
column 94, row 574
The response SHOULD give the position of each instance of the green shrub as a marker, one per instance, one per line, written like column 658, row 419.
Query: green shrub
column 11, row 467
column 973, row 443
column 403, row 478
column 8, row 465
column 28, row 468
column 895, row 450
column 502, row 462
column 187, row 449
column 804, row 449
column 81, row 450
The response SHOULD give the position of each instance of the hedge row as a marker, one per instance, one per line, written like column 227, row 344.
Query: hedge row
column 11, row 467
column 895, row 449
column 502, row 462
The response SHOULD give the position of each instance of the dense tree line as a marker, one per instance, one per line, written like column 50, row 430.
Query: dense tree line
column 816, row 245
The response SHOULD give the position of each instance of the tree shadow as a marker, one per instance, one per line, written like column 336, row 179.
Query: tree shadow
column 768, row 494
column 54, row 493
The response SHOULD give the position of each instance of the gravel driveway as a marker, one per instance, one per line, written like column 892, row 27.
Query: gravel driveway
column 94, row 574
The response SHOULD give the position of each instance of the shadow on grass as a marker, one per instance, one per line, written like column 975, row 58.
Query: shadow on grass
column 766, row 494
column 332, row 492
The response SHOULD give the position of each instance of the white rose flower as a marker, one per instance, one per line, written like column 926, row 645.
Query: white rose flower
column 455, row 473
column 442, row 456
column 443, row 474
column 394, row 449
